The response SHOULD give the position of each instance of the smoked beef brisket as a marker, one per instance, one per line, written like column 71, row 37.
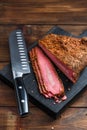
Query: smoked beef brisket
column 68, row 53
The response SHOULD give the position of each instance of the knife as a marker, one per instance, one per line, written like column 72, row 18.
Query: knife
column 20, row 67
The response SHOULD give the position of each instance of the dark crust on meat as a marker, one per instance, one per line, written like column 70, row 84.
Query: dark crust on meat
column 72, row 51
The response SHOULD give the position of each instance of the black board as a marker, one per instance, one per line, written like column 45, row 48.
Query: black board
column 48, row 105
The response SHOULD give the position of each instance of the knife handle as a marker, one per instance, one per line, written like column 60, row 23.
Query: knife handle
column 22, row 97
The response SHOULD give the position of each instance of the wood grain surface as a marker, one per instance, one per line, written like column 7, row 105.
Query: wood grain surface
column 43, row 12
column 38, row 17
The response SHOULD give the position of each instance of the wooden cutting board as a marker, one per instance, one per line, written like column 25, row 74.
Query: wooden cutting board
column 48, row 105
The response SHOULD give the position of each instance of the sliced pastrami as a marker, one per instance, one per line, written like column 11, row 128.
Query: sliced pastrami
column 50, row 85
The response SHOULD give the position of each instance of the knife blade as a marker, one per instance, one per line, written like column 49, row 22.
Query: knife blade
column 20, row 67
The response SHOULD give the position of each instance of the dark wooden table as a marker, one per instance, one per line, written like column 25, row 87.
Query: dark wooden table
column 39, row 16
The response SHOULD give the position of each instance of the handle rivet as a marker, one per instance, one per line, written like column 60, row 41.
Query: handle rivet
column 20, row 87
column 22, row 101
